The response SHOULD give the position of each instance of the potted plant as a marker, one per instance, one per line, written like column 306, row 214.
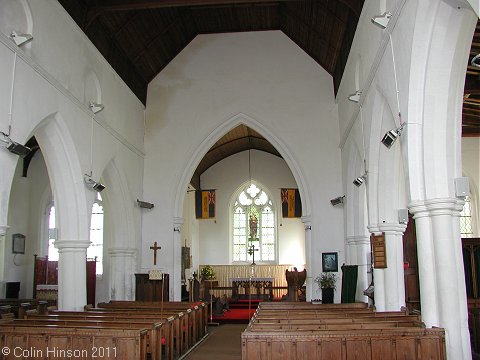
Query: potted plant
column 207, row 273
column 327, row 283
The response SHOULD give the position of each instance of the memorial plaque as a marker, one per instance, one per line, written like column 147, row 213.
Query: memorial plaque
column 379, row 251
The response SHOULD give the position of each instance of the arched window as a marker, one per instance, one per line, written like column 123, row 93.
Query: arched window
column 253, row 226
column 52, row 234
column 466, row 223
column 96, row 234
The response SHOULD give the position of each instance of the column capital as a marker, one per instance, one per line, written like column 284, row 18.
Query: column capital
column 373, row 228
column 71, row 245
column 435, row 207
column 306, row 219
column 122, row 252
column 178, row 221
column 363, row 239
column 3, row 229
column 392, row 228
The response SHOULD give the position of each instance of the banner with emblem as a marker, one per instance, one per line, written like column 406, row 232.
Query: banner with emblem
column 205, row 204
column 291, row 203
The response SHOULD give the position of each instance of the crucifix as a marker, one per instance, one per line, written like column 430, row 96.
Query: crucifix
column 155, row 248
column 251, row 251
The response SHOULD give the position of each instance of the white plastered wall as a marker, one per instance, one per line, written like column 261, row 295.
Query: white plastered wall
column 47, row 85
column 217, row 82
column 430, row 48
column 226, row 177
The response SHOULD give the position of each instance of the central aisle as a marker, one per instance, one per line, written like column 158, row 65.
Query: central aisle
column 222, row 343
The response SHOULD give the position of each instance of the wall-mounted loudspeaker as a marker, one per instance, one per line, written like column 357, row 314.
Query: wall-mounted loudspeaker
column 403, row 216
column 462, row 187
column 144, row 204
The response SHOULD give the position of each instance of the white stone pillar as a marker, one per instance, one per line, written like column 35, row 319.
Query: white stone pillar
column 176, row 278
column 462, row 295
column 362, row 259
column 447, row 246
column 72, row 274
column 121, row 275
column 3, row 232
column 394, row 282
column 307, row 223
column 426, row 263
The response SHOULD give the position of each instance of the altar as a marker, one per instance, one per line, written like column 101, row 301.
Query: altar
column 262, row 288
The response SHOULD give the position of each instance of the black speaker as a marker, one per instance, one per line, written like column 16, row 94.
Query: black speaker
column 12, row 289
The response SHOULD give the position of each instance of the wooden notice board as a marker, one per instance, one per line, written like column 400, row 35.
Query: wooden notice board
column 379, row 251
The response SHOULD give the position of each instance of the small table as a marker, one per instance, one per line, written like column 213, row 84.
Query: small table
column 262, row 285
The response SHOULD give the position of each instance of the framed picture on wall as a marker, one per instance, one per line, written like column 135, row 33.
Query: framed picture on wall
column 18, row 244
column 330, row 262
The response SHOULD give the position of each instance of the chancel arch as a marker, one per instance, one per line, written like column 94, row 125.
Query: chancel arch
column 211, row 253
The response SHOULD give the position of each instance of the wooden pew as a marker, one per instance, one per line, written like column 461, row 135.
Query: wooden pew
column 374, row 344
column 338, row 331
column 165, row 328
column 154, row 329
column 71, row 342
column 200, row 313
column 180, row 339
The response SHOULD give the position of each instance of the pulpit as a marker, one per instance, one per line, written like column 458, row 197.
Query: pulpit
column 147, row 289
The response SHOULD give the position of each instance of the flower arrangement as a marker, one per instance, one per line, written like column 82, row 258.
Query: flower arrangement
column 207, row 272
column 326, row 281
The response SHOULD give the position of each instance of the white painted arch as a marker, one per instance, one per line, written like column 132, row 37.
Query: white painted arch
column 221, row 130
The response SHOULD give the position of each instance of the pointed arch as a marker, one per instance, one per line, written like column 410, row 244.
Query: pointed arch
column 66, row 177
column 221, row 130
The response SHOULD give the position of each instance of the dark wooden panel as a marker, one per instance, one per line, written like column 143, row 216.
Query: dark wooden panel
column 151, row 290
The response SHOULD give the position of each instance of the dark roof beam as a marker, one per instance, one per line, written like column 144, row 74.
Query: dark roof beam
column 127, row 5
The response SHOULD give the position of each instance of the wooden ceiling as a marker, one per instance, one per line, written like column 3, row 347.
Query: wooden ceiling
column 471, row 97
column 140, row 37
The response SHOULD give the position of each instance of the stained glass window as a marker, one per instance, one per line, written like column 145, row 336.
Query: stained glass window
column 253, row 226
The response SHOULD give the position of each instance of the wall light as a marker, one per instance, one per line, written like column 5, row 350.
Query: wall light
column 20, row 39
column 382, row 20
column 360, row 180
column 475, row 61
column 144, row 204
column 337, row 200
column 391, row 136
column 14, row 147
column 93, row 184
column 355, row 97
column 96, row 108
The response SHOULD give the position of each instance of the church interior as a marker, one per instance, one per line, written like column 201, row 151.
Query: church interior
column 181, row 159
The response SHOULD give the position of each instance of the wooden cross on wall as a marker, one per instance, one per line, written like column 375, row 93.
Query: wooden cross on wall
column 155, row 248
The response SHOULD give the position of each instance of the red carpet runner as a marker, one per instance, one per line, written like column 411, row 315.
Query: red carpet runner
column 240, row 312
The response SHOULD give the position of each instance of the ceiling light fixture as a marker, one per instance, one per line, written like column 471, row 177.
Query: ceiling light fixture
column 391, row 136
column 20, row 39
column 97, row 186
column 355, row 97
column 360, row 180
column 96, row 108
column 14, row 147
column 382, row 20
column 475, row 61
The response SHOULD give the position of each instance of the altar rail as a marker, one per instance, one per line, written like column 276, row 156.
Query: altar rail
column 224, row 274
